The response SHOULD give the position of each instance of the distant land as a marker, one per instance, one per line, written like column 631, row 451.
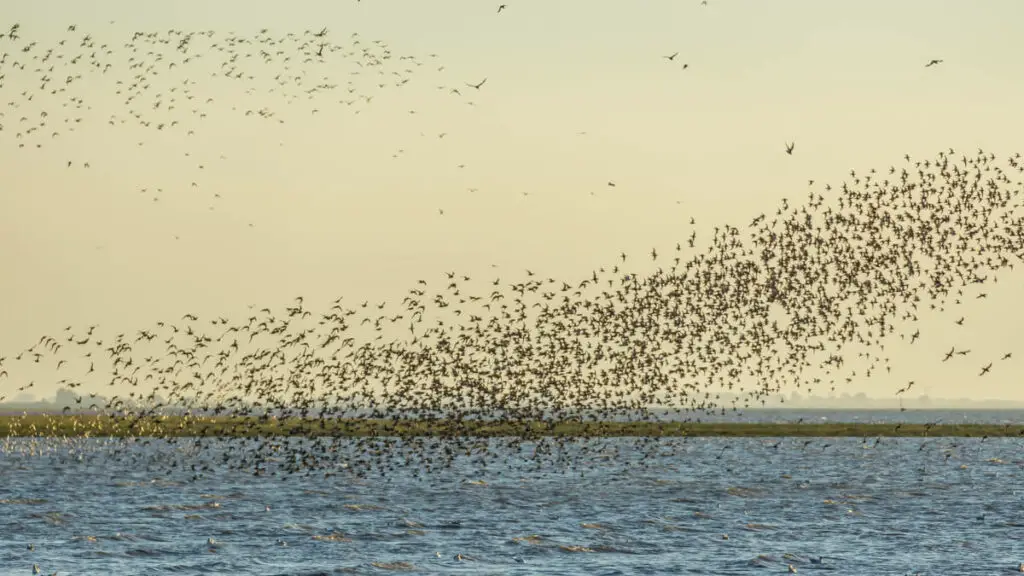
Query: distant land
column 228, row 427
column 25, row 403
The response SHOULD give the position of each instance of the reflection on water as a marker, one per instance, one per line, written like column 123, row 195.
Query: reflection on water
column 703, row 506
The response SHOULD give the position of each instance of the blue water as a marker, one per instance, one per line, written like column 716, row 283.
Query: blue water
column 902, row 506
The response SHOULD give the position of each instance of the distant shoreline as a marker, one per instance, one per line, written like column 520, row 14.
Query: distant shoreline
column 178, row 426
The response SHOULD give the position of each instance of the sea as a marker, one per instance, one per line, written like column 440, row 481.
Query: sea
column 713, row 506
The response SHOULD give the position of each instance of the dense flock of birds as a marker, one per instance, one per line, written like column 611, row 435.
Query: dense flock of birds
column 785, row 299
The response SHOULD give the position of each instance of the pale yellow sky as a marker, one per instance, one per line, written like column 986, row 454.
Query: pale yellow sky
column 334, row 213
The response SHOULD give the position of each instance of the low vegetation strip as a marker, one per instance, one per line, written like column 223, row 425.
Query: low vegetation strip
column 184, row 426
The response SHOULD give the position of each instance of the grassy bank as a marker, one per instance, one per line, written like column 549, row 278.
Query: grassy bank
column 77, row 425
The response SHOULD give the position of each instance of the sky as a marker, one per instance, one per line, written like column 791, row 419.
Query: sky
column 577, row 94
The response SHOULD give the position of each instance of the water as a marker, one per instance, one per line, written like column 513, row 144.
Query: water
column 951, row 506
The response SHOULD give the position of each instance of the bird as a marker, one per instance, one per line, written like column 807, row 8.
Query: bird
column 933, row 63
column 698, row 333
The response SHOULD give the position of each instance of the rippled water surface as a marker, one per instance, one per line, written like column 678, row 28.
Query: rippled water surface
column 704, row 506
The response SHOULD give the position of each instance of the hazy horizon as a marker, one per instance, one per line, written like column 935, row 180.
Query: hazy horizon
column 577, row 95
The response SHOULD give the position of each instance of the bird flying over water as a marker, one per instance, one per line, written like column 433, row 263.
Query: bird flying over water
column 436, row 350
